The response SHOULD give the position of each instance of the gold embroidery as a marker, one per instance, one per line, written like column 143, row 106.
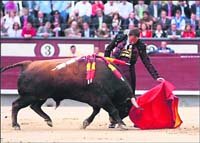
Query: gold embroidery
column 126, row 53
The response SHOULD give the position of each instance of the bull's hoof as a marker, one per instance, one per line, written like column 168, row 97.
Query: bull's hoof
column 122, row 127
column 16, row 127
column 49, row 123
column 112, row 125
column 85, row 124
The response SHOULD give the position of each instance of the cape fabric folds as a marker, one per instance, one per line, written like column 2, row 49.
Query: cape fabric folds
column 160, row 108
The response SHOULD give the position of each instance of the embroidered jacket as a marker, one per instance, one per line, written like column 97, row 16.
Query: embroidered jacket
column 132, row 53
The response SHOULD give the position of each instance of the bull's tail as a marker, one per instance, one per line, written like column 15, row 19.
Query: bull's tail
column 22, row 64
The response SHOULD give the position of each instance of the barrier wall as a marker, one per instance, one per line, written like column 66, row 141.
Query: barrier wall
column 182, row 69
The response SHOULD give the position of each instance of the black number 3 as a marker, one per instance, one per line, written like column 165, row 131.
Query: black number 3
column 47, row 50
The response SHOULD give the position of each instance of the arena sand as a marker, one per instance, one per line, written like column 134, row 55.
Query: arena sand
column 67, row 123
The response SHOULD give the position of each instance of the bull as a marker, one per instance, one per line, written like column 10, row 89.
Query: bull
column 37, row 82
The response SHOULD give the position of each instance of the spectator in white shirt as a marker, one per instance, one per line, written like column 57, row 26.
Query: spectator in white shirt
column 85, row 10
column 84, row 7
column 16, row 31
column 10, row 19
column 111, row 7
column 125, row 8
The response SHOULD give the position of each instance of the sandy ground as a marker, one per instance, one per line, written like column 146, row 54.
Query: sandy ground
column 67, row 123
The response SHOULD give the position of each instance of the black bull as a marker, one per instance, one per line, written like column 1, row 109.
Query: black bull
column 37, row 82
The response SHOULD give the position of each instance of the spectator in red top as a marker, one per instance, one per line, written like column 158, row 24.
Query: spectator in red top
column 188, row 32
column 97, row 5
column 144, row 32
column 28, row 31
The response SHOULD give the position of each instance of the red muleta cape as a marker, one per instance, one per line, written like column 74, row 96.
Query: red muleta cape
column 160, row 108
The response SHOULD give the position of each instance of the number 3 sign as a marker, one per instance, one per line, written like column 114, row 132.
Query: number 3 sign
column 47, row 50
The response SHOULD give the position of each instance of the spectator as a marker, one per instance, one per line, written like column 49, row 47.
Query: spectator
column 28, row 31
column 103, row 32
column 154, row 10
column 159, row 33
column 73, row 31
column 95, row 6
column 74, row 16
column 144, row 32
column 166, row 22
column 140, row 8
column 87, row 32
column 85, row 10
column 2, row 7
column 188, row 32
column 16, row 31
column 10, row 19
column 40, row 20
column 58, row 20
column 25, row 18
column 147, row 19
column 131, row 26
column 130, row 20
column 173, row 33
column 45, row 8
column 73, row 51
column 125, row 8
column 30, row 5
column 195, row 8
column 116, row 20
column 3, row 28
column 198, row 30
column 193, row 22
column 110, row 7
column 99, row 19
column 179, row 21
column 63, row 7
column 57, row 30
column 115, row 30
column 45, row 31
column 170, row 8
column 183, row 6
column 164, row 49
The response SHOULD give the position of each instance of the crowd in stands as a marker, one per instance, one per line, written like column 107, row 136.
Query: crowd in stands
column 100, row 19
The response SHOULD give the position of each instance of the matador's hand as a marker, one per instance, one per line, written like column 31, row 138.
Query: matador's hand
column 160, row 79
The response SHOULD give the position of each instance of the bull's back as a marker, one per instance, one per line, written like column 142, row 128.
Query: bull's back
column 40, row 79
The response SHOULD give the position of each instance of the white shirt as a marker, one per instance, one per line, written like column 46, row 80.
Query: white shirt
column 125, row 9
column 84, row 9
column 100, row 21
column 14, row 33
column 10, row 21
column 87, row 33
column 155, row 8
column 61, row 5
column 108, row 9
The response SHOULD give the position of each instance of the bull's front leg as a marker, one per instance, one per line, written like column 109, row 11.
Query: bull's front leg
column 114, row 113
column 89, row 120
column 112, row 123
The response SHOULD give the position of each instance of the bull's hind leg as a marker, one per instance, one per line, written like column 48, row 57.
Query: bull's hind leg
column 17, row 105
column 37, row 108
column 89, row 120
